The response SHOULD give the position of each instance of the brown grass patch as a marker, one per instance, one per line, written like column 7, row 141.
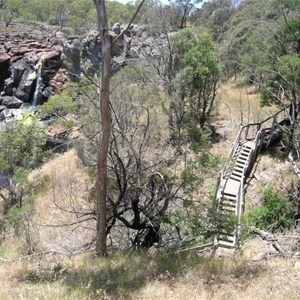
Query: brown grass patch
column 64, row 191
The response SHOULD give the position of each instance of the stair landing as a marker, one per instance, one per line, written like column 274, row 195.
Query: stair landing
column 249, row 144
column 232, row 187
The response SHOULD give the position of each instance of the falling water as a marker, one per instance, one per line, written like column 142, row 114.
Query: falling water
column 38, row 85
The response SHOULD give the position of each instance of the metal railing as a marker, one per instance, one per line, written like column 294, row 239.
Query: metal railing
column 260, row 129
column 243, row 134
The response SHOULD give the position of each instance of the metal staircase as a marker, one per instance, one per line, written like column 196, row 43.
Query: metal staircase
column 230, row 190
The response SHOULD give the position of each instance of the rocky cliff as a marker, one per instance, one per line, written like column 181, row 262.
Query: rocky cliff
column 35, row 63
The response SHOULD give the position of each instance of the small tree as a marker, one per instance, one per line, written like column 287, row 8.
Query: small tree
column 22, row 147
column 183, row 9
column 276, row 212
column 60, row 11
column 10, row 9
column 204, row 69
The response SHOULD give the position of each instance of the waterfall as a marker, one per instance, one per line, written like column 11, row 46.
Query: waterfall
column 38, row 84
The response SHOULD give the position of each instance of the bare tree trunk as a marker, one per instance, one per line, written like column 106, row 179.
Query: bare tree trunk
column 106, row 48
column 105, row 134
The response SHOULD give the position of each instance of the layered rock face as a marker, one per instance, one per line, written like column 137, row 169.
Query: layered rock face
column 25, row 55
column 35, row 63
column 28, row 63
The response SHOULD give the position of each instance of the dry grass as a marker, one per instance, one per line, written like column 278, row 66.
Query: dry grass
column 237, row 105
column 147, row 275
column 64, row 190
column 269, row 171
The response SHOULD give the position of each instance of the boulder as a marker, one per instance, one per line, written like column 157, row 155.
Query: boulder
column 17, row 69
column 8, row 86
column 10, row 114
column 10, row 102
column 4, row 67
column 116, row 28
column 2, row 107
column 72, row 50
column 26, row 85
column 4, row 59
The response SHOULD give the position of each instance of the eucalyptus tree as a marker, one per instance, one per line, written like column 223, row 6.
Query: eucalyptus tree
column 194, row 75
column 22, row 148
column 247, row 32
column 204, row 69
column 107, row 44
column 214, row 16
column 183, row 9
column 10, row 10
column 280, row 83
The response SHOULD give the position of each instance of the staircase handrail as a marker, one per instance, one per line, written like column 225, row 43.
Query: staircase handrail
column 238, row 138
column 218, row 193
column 266, row 120
column 258, row 141
column 239, row 210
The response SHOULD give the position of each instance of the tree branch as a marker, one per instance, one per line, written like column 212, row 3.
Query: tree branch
column 129, row 24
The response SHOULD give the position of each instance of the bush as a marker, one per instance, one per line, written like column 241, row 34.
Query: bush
column 276, row 213
column 58, row 105
column 22, row 146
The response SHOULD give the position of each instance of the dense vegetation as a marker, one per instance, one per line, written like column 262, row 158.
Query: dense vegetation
column 163, row 109
column 163, row 159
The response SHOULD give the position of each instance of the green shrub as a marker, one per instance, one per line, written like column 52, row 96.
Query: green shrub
column 58, row 105
column 276, row 213
column 198, row 138
column 22, row 146
column 16, row 215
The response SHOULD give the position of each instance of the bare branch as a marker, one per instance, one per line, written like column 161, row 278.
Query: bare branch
column 129, row 24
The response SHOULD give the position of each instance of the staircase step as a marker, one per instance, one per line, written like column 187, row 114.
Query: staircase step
column 249, row 144
column 228, row 202
column 231, row 187
column 238, row 172
column 240, row 164
column 229, row 197
column 247, row 148
column 241, row 160
column 227, row 209
column 224, row 244
column 245, row 152
column 238, row 169
column 243, row 155
column 227, row 238
column 230, row 208
column 235, row 177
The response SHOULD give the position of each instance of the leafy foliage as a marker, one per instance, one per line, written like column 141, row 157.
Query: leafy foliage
column 203, row 69
column 22, row 146
column 11, row 9
column 79, row 14
column 58, row 105
column 183, row 8
column 195, row 71
column 276, row 213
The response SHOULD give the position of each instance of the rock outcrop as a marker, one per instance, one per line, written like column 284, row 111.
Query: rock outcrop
column 35, row 63
column 28, row 63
